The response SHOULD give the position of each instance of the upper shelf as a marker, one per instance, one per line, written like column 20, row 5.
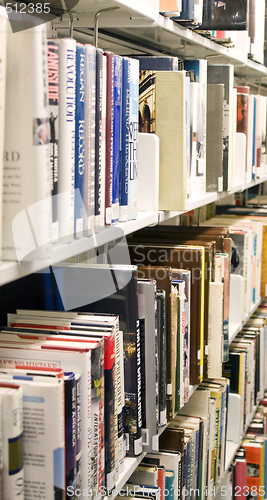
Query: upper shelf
column 138, row 28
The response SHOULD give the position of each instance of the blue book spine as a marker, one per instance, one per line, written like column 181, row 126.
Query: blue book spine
column 187, row 13
column 192, row 66
column 133, row 140
column 125, row 115
column 116, row 138
column 80, row 136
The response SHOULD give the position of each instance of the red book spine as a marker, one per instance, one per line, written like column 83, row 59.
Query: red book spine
column 109, row 137
column 240, row 479
column 161, row 481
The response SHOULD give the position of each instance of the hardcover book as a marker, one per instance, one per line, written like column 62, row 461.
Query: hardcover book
column 162, row 109
column 116, row 138
column 109, row 136
column 224, row 73
column 27, row 179
column 90, row 120
column 53, row 109
column 67, row 110
column 228, row 15
column 214, row 172
column 80, row 142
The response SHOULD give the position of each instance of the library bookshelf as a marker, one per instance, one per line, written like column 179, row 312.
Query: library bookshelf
column 140, row 29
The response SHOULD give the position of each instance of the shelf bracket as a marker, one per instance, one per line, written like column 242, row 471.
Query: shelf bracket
column 97, row 15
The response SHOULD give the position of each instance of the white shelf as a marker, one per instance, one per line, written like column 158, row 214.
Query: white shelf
column 125, row 13
column 236, row 327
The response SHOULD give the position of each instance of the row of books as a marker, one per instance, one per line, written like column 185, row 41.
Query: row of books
column 191, row 461
column 233, row 23
column 70, row 140
column 248, row 214
column 219, row 129
column 247, row 475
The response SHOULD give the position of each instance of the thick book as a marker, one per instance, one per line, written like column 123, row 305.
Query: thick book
column 116, row 138
column 214, row 173
column 3, row 65
column 27, row 211
column 53, row 109
column 12, row 446
column 46, row 446
column 224, row 73
column 149, row 367
column 162, row 108
column 80, row 144
column 90, row 121
column 66, row 167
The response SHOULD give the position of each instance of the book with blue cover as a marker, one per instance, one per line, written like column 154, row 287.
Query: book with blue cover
column 125, row 119
column 116, row 137
column 80, row 137
column 158, row 63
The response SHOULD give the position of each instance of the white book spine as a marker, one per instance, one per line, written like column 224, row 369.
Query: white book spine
column 133, row 140
column 3, row 62
column 12, row 432
column 103, row 139
column 26, row 194
column 67, row 82
column 90, row 52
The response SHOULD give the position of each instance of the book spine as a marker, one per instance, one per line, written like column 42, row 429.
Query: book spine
column 53, row 109
column 90, row 119
column 78, row 447
column 162, row 357
column 67, row 88
column 98, row 130
column 70, row 430
column 80, row 138
column 120, row 397
column 103, row 142
column 181, row 343
column 132, row 375
column 27, row 214
column 109, row 137
column 116, row 137
column 12, row 429
column 133, row 140
column 109, row 370
column 125, row 119
column 97, row 371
